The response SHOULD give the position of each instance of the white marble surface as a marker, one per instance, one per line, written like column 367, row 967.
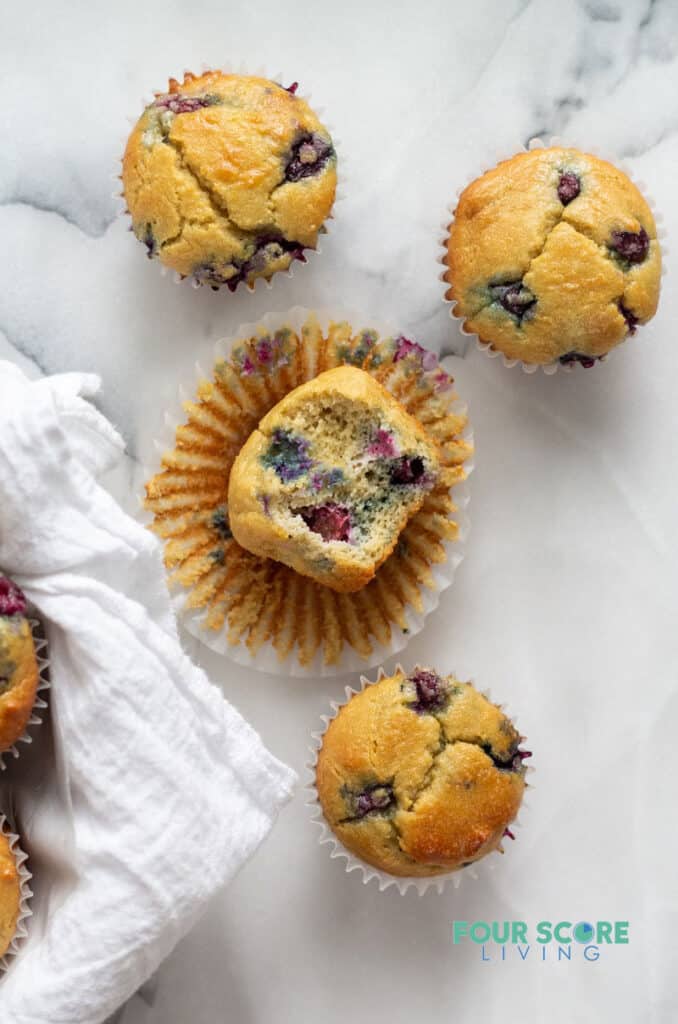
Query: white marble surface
column 565, row 605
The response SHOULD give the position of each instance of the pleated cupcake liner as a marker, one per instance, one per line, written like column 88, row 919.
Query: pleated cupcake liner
column 369, row 648
column 310, row 254
column 367, row 872
column 40, row 704
column 26, row 893
column 483, row 346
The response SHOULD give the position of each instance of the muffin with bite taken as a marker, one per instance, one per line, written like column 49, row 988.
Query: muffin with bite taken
column 330, row 478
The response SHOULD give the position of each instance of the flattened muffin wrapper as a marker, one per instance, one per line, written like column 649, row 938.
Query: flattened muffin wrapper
column 353, row 863
column 310, row 630
column 40, row 704
column 548, row 368
column 26, row 894
column 261, row 283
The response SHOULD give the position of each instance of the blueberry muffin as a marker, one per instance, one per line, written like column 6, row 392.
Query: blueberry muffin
column 553, row 256
column 330, row 478
column 420, row 775
column 18, row 664
column 228, row 178
column 10, row 893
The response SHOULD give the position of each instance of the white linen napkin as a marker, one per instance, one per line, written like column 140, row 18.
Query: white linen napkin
column 170, row 789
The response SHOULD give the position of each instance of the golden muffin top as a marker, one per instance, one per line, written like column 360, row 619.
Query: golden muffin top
column 553, row 256
column 228, row 177
column 420, row 774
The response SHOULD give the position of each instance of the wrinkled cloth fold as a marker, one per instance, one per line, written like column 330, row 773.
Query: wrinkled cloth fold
column 171, row 790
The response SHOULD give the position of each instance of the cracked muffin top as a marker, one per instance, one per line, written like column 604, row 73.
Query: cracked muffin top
column 420, row 775
column 228, row 178
column 330, row 478
column 553, row 256
column 10, row 894
column 18, row 664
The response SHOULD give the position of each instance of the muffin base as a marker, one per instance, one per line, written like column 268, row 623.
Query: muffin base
column 377, row 621
column 40, row 643
column 353, row 863
column 487, row 347
column 25, row 891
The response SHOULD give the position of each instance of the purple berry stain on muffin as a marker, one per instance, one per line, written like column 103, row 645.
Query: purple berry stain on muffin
column 515, row 298
column 569, row 187
column 519, row 757
column 262, row 355
column 431, row 689
column 378, row 798
column 508, row 834
column 632, row 321
column 267, row 249
column 406, row 348
column 326, row 478
column 407, row 470
column 331, row 521
column 220, row 522
column 12, row 599
column 578, row 357
column 356, row 352
column 632, row 246
column 150, row 242
column 309, row 155
column 511, row 763
column 288, row 455
column 292, row 88
column 178, row 104
column 264, row 349
column 383, row 444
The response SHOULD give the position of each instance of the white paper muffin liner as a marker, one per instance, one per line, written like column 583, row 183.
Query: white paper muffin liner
column 266, row 659
column 261, row 283
column 26, row 893
column 548, row 368
column 40, row 643
column 474, row 871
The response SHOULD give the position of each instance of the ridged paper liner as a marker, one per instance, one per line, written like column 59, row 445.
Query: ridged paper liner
column 26, row 893
column 40, row 644
column 353, row 631
column 486, row 347
column 308, row 253
column 353, row 863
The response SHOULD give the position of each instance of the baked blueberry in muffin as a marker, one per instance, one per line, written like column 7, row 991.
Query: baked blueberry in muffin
column 330, row 478
column 228, row 178
column 18, row 664
column 553, row 256
column 420, row 774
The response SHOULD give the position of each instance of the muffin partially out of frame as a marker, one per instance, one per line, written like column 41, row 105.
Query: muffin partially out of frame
column 420, row 775
column 553, row 257
column 330, row 477
column 19, row 673
column 228, row 178
column 10, row 893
